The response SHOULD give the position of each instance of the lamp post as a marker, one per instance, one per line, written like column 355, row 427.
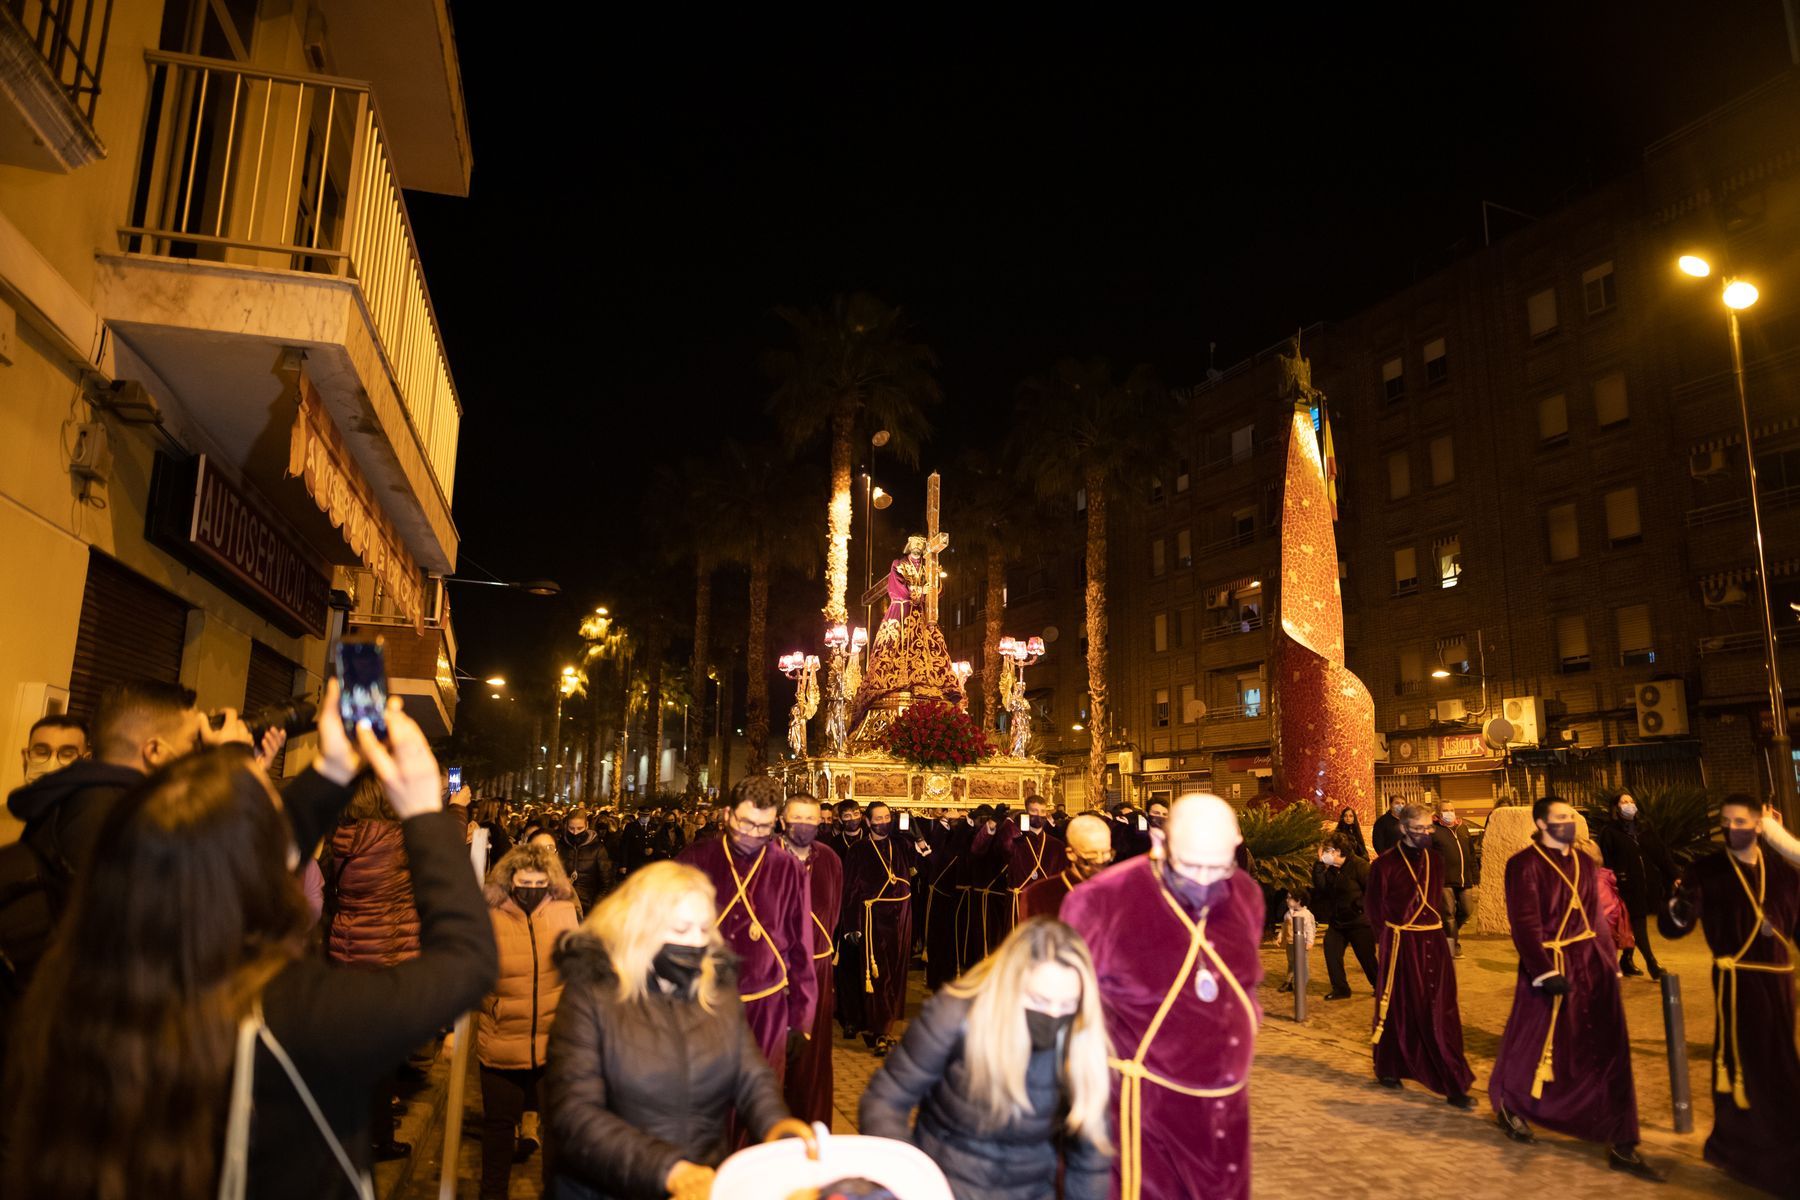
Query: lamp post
column 1737, row 295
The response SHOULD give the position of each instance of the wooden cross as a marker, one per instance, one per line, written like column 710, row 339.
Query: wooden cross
column 931, row 554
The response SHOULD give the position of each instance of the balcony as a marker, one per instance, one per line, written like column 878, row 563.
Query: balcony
column 421, row 664
column 1232, row 628
column 267, row 218
column 51, row 53
column 1773, row 500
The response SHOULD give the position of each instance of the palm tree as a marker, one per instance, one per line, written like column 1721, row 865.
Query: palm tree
column 1090, row 432
column 853, row 369
column 692, row 516
column 770, row 498
column 993, row 520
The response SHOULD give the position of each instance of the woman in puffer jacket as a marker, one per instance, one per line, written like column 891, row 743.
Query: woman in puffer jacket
column 650, row 1053
column 1008, row 1069
column 532, row 905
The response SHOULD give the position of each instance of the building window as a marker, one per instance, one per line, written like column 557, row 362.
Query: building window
column 1553, row 421
column 1184, row 627
column 1412, row 673
column 1156, row 489
column 1540, row 313
column 1184, row 547
column 1443, row 460
column 1597, row 288
column 1190, row 705
column 1448, row 552
column 1243, row 441
column 1610, row 405
column 1182, row 476
column 1622, row 525
column 1159, row 632
column 1572, row 643
column 1399, row 465
column 1243, row 524
column 1565, row 538
column 1406, row 571
column 1250, row 692
column 1159, row 558
column 1635, row 646
column 1160, row 715
column 1393, row 379
column 1453, row 652
column 1437, row 363
column 1080, row 500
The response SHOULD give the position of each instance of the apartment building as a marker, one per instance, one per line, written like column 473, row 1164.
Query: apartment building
column 228, row 429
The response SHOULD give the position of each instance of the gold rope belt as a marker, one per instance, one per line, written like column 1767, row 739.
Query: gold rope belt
column 1729, row 965
column 1546, row 1073
column 872, row 972
column 1393, row 969
column 930, row 890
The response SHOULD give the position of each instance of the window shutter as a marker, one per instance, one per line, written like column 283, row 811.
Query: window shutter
column 1443, row 460
column 1565, row 539
column 1242, row 442
column 1184, row 547
column 1622, row 523
column 1634, row 629
column 1412, row 666
column 1159, row 638
column 1540, row 312
column 1610, row 404
column 1399, row 475
column 1406, row 566
column 129, row 629
column 1434, row 350
column 1572, row 639
column 1553, row 418
column 1158, row 556
column 1391, row 370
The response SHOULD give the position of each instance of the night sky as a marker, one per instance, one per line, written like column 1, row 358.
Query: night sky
column 643, row 198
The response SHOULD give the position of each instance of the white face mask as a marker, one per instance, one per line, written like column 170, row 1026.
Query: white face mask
column 1628, row 811
column 1449, row 818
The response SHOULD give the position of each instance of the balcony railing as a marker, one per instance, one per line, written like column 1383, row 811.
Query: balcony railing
column 1725, row 510
column 1742, row 641
column 1232, row 628
column 1241, row 538
column 271, row 170
column 71, row 38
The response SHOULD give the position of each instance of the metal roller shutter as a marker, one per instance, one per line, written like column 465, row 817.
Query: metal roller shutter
column 270, row 682
column 130, row 629
column 1474, row 790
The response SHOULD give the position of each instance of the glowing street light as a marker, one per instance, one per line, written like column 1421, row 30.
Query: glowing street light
column 1693, row 264
column 1440, row 673
column 496, row 681
column 1740, row 294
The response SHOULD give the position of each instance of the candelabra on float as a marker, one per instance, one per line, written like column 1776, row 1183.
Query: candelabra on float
column 1016, row 654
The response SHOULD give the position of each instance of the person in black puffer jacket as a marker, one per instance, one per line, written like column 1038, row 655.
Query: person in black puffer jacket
column 650, row 1053
column 583, row 856
column 1031, row 1010
column 1339, row 880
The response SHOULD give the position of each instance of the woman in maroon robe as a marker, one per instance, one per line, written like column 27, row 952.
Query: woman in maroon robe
column 878, row 896
column 1747, row 903
column 1418, row 1029
column 1565, row 1056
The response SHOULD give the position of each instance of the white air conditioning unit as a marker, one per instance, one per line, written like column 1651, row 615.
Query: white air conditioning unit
column 1705, row 463
column 1662, row 708
column 1722, row 595
column 1218, row 598
column 1526, row 716
column 1449, row 710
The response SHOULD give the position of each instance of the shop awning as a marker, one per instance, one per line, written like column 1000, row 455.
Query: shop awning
column 1740, row 575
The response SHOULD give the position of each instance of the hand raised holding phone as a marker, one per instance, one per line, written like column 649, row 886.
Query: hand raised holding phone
column 405, row 765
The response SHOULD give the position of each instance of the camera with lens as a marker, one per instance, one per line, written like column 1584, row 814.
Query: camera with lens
column 296, row 716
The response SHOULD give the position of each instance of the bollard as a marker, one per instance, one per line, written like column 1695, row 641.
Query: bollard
column 1297, row 973
column 1675, row 1028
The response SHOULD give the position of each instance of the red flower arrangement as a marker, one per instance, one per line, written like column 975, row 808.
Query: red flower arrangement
column 934, row 734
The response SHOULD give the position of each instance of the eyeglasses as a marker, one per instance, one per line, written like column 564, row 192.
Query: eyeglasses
column 39, row 752
column 753, row 828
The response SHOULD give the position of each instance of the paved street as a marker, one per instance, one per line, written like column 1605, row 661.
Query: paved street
column 1319, row 1115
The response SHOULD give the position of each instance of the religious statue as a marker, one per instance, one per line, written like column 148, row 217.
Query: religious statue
column 806, row 701
column 837, row 708
column 908, row 660
column 1017, row 707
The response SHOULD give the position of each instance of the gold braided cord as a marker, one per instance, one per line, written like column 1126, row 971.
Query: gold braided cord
column 1727, row 981
column 757, row 931
column 1546, row 1071
column 1412, row 924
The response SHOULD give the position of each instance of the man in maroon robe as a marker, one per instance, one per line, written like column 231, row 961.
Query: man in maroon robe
column 1418, row 1029
column 878, row 898
column 765, row 916
column 847, row 983
column 1564, row 1058
column 1174, row 936
column 809, row 1081
column 1032, row 852
column 944, row 878
column 1090, row 851
column 1747, row 903
column 988, row 916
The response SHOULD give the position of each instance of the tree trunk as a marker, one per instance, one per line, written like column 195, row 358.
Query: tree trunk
column 697, row 667
column 837, row 546
column 622, row 759
column 727, row 697
column 1096, row 633
column 654, row 732
column 756, row 701
column 994, row 611
column 590, row 791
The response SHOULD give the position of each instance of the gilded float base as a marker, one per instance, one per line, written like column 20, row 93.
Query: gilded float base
column 874, row 776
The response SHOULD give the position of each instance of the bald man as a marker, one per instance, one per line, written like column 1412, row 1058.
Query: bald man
column 1174, row 936
column 1090, row 851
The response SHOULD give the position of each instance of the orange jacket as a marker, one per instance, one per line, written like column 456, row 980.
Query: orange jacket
column 514, row 1023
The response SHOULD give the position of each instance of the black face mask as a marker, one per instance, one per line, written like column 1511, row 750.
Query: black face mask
column 528, row 898
column 1044, row 1028
column 1740, row 839
column 679, row 965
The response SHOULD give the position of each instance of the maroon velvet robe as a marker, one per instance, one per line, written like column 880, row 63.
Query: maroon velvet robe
column 1421, row 1037
column 809, row 1082
column 1173, row 1146
column 1590, row 1094
column 1030, row 858
column 1754, row 1142
column 988, row 916
column 1045, row 897
column 775, row 974
column 878, row 904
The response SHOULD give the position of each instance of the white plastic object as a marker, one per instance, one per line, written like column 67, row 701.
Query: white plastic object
column 776, row 1170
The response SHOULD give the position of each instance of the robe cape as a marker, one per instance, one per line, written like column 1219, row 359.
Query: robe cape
column 1564, row 1062
column 765, row 916
column 987, row 910
column 878, row 902
column 1181, row 1064
column 1418, row 1029
column 847, row 981
column 809, row 1080
column 1045, row 897
column 1030, row 858
column 1756, row 1072
column 944, row 879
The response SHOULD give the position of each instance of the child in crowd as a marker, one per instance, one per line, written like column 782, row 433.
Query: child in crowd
column 1298, row 927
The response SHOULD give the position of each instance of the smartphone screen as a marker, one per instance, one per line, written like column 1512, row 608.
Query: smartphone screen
column 1024, row 822
column 362, row 686
column 905, row 821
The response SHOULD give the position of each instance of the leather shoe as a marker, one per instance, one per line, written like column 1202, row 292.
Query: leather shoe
column 389, row 1151
column 1628, row 1160
column 1388, row 1081
column 1513, row 1127
column 1337, row 995
column 1460, row 1100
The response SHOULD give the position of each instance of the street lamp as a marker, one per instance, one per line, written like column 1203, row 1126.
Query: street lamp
column 531, row 587
column 1737, row 295
column 496, row 681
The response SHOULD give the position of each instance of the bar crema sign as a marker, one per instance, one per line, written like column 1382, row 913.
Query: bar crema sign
column 201, row 517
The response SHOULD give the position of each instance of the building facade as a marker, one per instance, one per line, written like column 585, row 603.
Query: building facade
column 228, row 429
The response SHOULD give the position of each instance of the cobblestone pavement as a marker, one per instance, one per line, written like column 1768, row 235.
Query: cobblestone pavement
column 1322, row 1124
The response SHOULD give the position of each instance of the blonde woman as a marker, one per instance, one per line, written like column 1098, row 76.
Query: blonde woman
column 650, row 1053
column 532, row 905
column 1008, row 1069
